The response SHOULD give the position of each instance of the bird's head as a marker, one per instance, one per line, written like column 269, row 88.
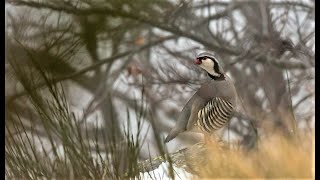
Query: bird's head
column 211, row 64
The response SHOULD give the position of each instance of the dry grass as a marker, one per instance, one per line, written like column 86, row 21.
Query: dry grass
column 275, row 157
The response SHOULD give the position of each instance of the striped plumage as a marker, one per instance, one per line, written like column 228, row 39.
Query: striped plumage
column 214, row 115
column 212, row 106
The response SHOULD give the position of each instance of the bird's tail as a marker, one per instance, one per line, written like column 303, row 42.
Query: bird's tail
column 173, row 133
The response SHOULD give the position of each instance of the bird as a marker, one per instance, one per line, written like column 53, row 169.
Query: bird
column 212, row 105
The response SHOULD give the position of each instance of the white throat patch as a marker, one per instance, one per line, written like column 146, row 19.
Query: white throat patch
column 208, row 65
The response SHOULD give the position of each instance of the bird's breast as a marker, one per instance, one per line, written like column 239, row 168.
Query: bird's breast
column 215, row 115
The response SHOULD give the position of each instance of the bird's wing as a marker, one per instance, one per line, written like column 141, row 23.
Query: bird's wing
column 214, row 115
column 196, row 106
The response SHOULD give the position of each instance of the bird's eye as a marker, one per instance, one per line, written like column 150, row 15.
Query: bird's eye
column 203, row 59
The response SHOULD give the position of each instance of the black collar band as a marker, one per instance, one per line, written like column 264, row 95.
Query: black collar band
column 217, row 78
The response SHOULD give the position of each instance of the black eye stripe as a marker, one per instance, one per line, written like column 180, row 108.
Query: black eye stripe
column 206, row 57
column 216, row 67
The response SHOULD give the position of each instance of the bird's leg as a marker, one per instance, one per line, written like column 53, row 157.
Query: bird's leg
column 206, row 139
column 219, row 140
column 213, row 139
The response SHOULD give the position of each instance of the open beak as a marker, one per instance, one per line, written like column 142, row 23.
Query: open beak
column 197, row 61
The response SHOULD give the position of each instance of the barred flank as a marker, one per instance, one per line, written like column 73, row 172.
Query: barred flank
column 215, row 115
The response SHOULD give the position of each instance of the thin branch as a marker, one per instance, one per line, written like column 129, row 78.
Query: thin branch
column 302, row 100
column 277, row 4
column 96, row 65
column 133, row 16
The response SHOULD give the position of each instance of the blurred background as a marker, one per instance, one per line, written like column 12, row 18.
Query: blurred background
column 79, row 69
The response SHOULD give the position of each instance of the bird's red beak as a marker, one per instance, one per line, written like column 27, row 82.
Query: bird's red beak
column 197, row 61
